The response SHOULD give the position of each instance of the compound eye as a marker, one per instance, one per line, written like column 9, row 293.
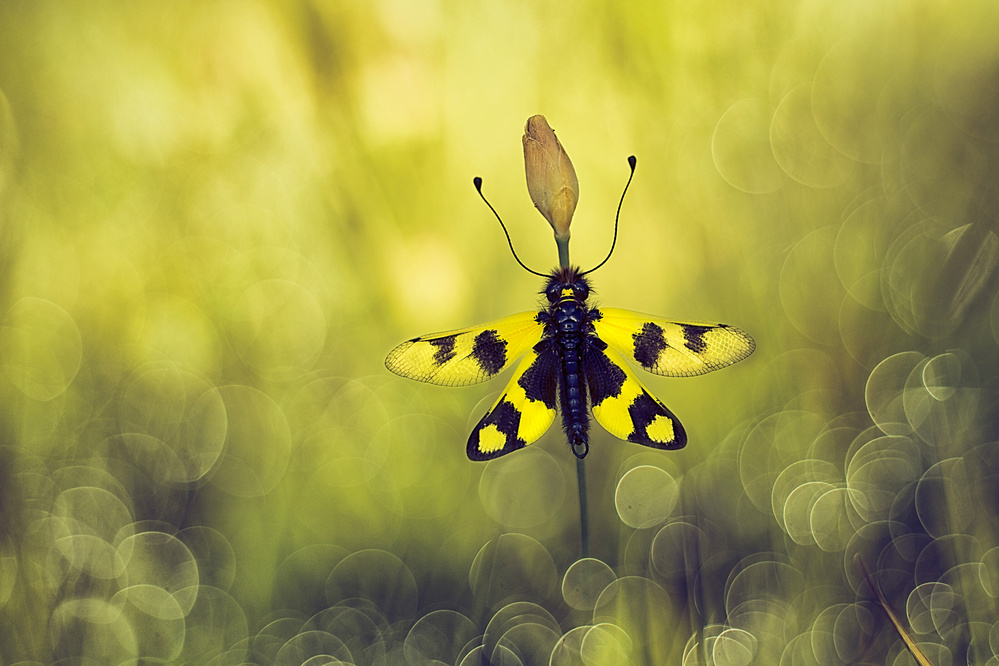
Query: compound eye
column 553, row 291
column 580, row 290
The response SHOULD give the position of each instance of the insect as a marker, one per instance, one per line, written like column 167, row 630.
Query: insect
column 573, row 363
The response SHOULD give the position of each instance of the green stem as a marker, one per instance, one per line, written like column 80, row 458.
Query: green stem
column 584, row 523
column 563, row 250
column 584, row 526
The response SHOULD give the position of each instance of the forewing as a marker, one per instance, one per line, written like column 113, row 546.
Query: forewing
column 523, row 412
column 466, row 356
column 672, row 348
column 624, row 407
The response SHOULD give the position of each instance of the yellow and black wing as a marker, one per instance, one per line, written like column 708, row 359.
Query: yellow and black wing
column 672, row 348
column 523, row 412
column 624, row 407
column 469, row 355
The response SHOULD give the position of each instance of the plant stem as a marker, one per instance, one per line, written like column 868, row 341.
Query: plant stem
column 563, row 251
column 584, row 524
column 584, row 527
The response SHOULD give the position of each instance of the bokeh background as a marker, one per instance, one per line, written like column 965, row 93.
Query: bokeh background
column 216, row 218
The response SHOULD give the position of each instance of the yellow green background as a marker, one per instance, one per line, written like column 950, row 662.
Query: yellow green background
column 216, row 218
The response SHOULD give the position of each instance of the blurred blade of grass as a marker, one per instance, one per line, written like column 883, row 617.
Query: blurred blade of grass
column 917, row 654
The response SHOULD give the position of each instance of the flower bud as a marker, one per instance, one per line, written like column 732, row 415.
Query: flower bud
column 551, row 180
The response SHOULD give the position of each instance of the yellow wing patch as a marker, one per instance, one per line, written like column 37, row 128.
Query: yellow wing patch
column 672, row 348
column 625, row 408
column 523, row 412
column 468, row 355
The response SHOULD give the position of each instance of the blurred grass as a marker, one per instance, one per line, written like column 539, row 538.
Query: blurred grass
column 217, row 218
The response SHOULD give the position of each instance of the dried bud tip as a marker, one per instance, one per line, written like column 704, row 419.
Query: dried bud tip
column 551, row 180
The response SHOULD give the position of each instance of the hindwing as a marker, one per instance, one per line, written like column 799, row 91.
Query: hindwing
column 523, row 412
column 672, row 348
column 624, row 407
column 468, row 355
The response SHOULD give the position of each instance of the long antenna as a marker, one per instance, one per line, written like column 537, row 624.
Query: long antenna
column 631, row 162
column 478, row 188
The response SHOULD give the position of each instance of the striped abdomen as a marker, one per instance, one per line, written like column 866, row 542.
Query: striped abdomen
column 568, row 316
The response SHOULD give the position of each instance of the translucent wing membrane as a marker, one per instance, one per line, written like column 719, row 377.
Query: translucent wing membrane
column 672, row 348
column 523, row 413
column 625, row 408
column 617, row 399
column 469, row 355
